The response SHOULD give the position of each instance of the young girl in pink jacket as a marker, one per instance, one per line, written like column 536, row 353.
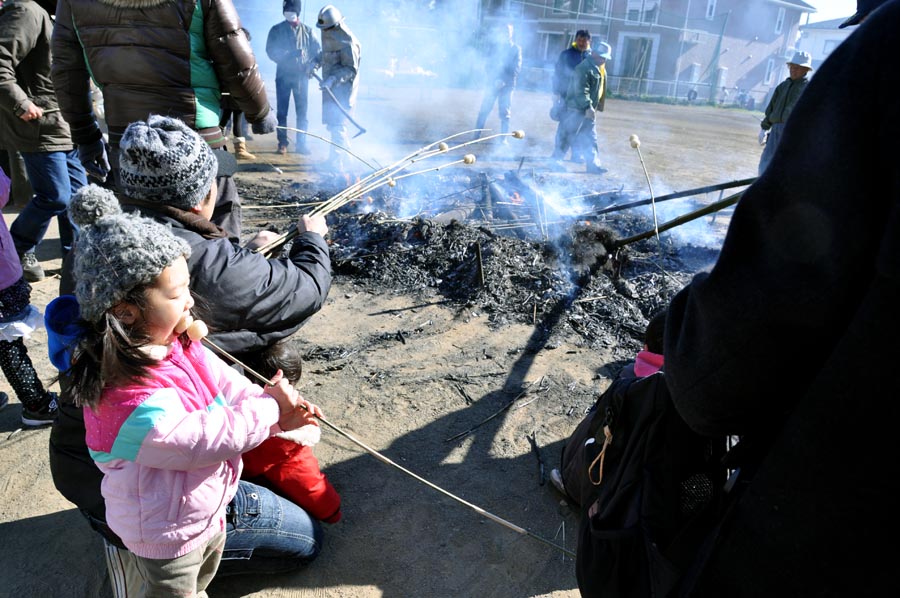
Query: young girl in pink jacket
column 166, row 419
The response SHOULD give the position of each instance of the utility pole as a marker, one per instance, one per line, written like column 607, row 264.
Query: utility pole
column 714, row 75
column 684, row 29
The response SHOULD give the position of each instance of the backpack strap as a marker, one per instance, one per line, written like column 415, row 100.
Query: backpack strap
column 601, row 457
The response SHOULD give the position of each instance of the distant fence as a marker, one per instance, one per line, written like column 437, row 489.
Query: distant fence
column 538, row 79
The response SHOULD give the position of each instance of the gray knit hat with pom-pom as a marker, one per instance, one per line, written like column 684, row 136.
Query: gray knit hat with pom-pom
column 116, row 252
column 164, row 161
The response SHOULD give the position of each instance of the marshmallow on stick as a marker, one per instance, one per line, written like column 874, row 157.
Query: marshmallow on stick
column 196, row 329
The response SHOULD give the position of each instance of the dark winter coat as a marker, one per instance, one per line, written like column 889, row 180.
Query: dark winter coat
column 565, row 69
column 504, row 64
column 282, row 47
column 25, row 30
column 784, row 339
column 255, row 302
column 148, row 57
column 784, row 98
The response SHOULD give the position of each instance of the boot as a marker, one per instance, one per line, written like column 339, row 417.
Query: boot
column 240, row 149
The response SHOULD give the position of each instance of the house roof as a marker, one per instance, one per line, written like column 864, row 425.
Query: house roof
column 803, row 6
column 824, row 25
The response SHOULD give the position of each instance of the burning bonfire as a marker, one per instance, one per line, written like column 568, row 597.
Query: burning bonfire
column 510, row 245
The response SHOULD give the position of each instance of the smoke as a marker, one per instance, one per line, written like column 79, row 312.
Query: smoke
column 418, row 44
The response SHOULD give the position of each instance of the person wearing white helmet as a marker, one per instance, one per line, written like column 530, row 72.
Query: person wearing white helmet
column 340, row 74
column 782, row 103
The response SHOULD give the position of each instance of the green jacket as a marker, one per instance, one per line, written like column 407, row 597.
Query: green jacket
column 25, row 30
column 783, row 99
column 588, row 86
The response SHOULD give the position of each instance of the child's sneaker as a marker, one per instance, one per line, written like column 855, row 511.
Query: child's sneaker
column 40, row 417
column 4, row 399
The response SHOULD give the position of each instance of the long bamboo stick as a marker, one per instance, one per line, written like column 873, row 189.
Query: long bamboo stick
column 713, row 207
column 386, row 460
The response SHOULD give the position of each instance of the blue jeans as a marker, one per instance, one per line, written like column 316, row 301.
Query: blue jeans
column 55, row 177
column 503, row 98
column 267, row 533
column 285, row 87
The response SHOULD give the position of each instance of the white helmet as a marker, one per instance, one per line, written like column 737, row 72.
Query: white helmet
column 329, row 17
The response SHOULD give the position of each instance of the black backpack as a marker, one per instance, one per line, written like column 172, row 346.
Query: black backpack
column 650, row 490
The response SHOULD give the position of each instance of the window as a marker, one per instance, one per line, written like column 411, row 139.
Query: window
column 642, row 11
column 710, row 9
column 564, row 6
column 830, row 45
column 770, row 71
column 594, row 7
column 779, row 22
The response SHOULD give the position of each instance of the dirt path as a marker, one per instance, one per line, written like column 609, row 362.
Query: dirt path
column 404, row 372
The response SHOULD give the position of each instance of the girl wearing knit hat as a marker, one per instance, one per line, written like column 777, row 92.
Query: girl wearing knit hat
column 166, row 419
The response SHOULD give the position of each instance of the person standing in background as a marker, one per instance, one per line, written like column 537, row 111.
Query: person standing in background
column 293, row 48
column 502, row 66
column 340, row 74
column 562, row 79
column 780, row 106
column 31, row 123
column 586, row 97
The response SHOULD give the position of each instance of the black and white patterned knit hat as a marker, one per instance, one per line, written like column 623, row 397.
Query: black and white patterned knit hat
column 116, row 252
column 164, row 161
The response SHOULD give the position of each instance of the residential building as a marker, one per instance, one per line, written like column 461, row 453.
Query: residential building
column 820, row 39
column 714, row 50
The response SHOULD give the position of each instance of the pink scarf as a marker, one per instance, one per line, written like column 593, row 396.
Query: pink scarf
column 647, row 363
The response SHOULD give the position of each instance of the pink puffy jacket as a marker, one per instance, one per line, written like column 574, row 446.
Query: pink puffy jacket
column 170, row 449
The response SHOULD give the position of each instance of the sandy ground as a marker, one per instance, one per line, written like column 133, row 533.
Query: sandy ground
column 400, row 538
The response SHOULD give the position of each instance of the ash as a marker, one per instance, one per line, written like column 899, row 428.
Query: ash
column 568, row 277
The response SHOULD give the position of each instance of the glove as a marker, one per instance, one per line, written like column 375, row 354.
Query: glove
column 266, row 125
column 327, row 83
column 763, row 136
column 94, row 159
column 589, row 113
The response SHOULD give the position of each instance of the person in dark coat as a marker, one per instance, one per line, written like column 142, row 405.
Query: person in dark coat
column 809, row 279
column 502, row 66
column 30, row 123
column 779, row 108
column 586, row 96
column 294, row 49
column 562, row 79
column 251, row 304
